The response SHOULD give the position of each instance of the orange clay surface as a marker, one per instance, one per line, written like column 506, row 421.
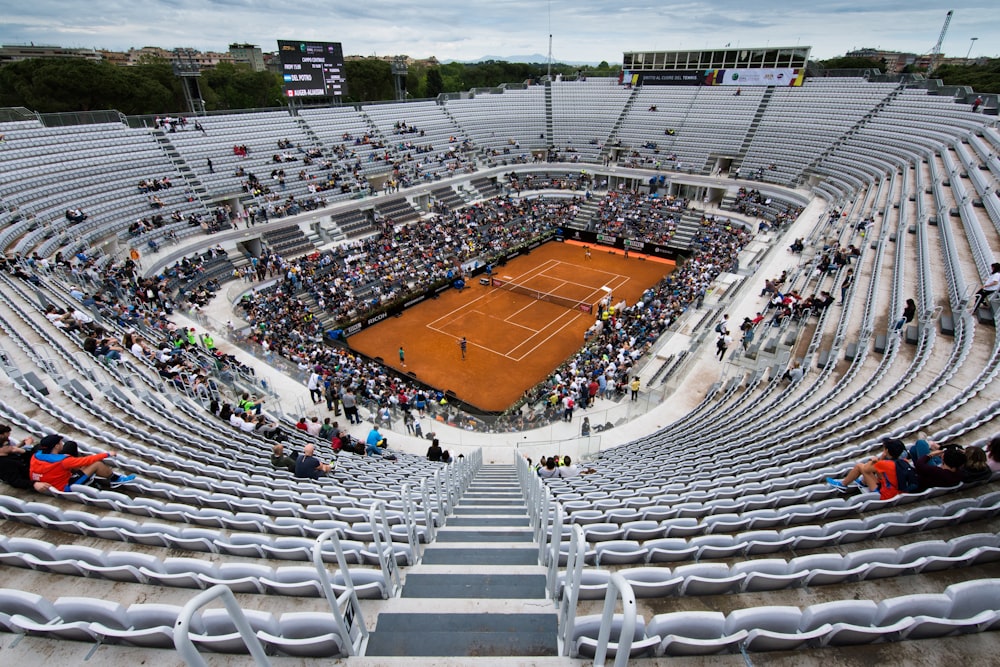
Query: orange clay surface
column 513, row 341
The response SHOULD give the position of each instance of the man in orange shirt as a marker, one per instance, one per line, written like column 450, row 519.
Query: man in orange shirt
column 51, row 468
column 876, row 474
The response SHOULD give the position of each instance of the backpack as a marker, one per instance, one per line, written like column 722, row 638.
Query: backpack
column 718, row 328
column 906, row 477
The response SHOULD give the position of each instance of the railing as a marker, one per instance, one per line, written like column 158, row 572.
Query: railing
column 182, row 631
column 571, row 588
column 379, row 523
column 617, row 585
column 350, row 623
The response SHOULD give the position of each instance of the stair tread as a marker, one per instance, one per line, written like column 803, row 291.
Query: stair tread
column 478, row 556
column 479, row 586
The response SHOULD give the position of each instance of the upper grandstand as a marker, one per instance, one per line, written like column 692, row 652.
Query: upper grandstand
column 715, row 483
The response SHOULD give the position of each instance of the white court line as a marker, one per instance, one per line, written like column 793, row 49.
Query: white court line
column 473, row 307
column 576, row 315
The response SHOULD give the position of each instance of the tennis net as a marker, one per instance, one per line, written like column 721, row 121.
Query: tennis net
column 572, row 304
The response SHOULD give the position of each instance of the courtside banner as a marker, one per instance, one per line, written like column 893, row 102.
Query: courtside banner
column 670, row 78
column 780, row 76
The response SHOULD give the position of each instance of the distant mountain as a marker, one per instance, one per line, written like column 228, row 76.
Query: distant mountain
column 533, row 58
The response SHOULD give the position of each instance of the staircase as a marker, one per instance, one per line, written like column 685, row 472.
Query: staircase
column 479, row 591
column 752, row 130
column 818, row 160
column 613, row 135
column 549, row 123
column 191, row 181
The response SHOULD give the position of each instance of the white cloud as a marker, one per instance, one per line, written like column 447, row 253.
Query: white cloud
column 583, row 30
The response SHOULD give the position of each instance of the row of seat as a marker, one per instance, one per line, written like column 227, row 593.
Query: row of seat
column 152, row 625
column 969, row 606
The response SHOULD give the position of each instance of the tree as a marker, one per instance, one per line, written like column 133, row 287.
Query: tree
column 435, row 84
column 853, row 63
column 369, row 80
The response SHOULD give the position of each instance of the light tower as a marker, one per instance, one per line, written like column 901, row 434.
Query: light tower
column 972, row 42
column 187, row 68
column 399, row 71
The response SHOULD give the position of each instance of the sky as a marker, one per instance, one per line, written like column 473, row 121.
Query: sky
column 582, row 30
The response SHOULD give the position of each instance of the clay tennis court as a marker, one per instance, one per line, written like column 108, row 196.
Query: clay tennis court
column 514, row 340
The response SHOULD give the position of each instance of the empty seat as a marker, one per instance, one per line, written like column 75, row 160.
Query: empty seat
column 692, row 633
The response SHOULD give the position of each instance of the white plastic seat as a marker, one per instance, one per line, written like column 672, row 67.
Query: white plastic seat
column 238, row 577
column 619, row 552
column 587, row 628
column 292, row 580
column 708, row 579
column 692, row 633
column 925, row 615
column 603, row 532
column 669, row 550
column 593, row 584
column 652, row 582
column 150, row 625
column 772, row 628
column 218, row 633
column 305, row 635
column 768, row 574
column 27, row 605
column 180, row 572
column 74, row 618
column 976, row 603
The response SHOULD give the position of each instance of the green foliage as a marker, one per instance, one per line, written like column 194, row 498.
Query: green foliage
column 854, row 63
column 369, row 80
column 151, row 87
column 435, row 82
column 983, row 78
column 230, row 86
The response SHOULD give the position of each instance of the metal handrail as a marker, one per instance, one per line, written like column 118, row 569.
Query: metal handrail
column 618, row 584
column 351, row 623
column 410, row 520
column 552, row 552
column 182, row 628
column 386, row 552
column 571, row 587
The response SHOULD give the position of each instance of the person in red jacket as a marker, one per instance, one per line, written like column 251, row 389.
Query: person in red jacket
column 51, row 468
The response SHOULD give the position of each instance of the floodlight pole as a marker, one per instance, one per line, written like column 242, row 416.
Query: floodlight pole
column 972, row 41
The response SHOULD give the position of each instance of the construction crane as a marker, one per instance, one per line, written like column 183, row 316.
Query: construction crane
column 936, row 53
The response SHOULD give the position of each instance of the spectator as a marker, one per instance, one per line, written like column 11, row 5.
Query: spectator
column 434, row 451
column 568, row 469
column 15, row 459
column 909, row 312
column 308, row 466
column 949, row 473
column 373, row 442
column 51, row 468
column 280, row 460
column 976, row 467
column 876, row 474
column 993, row 451
column 549, row 470
column 989, row 288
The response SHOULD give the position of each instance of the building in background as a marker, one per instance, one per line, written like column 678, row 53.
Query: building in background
column 248, row 54
column 14, row 52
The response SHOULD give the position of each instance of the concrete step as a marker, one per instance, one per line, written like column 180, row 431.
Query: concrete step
column 478, row 556
column 513, row 521
column 473, row 635
column 447, row 535
column 479, row 586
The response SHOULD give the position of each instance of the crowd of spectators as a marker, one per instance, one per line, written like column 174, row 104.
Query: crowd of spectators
column 645, row 217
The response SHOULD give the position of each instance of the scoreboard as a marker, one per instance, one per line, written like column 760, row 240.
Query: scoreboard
column 312, row 69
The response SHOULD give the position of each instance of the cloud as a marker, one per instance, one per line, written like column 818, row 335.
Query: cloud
column 583, row 30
